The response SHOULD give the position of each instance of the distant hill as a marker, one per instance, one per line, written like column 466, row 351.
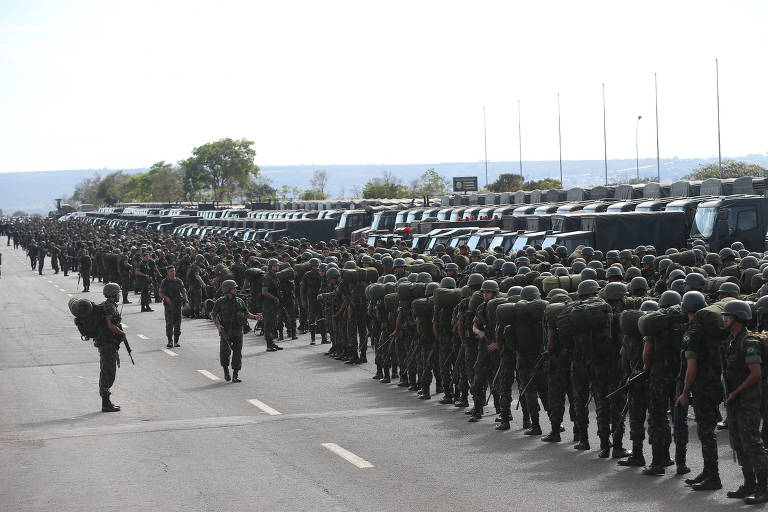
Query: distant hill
column 35, row 192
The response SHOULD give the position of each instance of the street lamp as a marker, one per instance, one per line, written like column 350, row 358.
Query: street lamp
column 637, row 150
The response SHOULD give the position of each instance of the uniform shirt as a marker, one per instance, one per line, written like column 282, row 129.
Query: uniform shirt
column 174, row 289
column 703, row 347
column 742, row 350
column 269, row 284
column 112, row 314
column 85, row 263
column 311, row 282
column 124, row 259
column 145, row 268
column 192, row 273
column 231, row 314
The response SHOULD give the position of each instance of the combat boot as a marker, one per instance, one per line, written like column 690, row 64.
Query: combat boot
column 176, row 340
column 447, row 399
column 363, row 357
column 504, row 423
column 666, row 460
column 553, row 436
column 636, row 458
column 761, row 491
column 226, row 373
column 535, row 428
column 680, row 452
column 170, row 342
column 324, row 339
column 463, row 402
column 605, row 448
column 425, row 395
column 477, row 413
column 378, row 375
column 107, row 405
column 403, row 380
column 526, row 420
column 748, row 488
column 386, row 379
column 619, row 452
column 583, row 443
column 353, row 359
column 311, row 337
column 656, row 468
column 712, row 480
column 235, row 378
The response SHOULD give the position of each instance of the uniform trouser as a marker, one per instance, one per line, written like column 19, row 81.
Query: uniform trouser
column 705, row 409
column 303, row 316
column 660, row 388
column 125, row 277
column 314, row 319
column 538, row 388
column 486, row 365
column 470, row 358
column 289, row 310
column 638, row 395
column 235, row 337
column 446, row 350
column 559, row 386
column 108, row 361
column 195, row 299
column 86, row 275
column 156, row 286
column 55, row 263
column 270, row 321
column 357, row 329
column 65, row 264
column 507, row 379
column 40, row 264
column 386, row 346
column 33, row 260
column 744, row 429
column 404, row 348
column 600, row 380
column 172, row 321
column 144, row 287
column 427, row 356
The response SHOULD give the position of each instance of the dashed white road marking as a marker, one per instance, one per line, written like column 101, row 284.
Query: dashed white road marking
column 124, row 324
column 348, row 456
column 69, row 294
column 142, row 336
column 208, row 374
column 170, row 352
column 264, row 407
column 50, row 281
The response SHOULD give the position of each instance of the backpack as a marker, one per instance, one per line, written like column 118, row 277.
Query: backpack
column 93, row 323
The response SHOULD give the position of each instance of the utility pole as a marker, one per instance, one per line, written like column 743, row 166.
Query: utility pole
column 658, row 160
column 637, row 148
column 605, row 140
column 717, row 87
column 519, row 137
column 560, row 141
column 485, row 146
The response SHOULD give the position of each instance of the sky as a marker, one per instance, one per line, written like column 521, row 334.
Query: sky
column 125, row 84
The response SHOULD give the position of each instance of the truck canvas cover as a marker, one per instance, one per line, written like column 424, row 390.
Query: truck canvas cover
column 630, row 229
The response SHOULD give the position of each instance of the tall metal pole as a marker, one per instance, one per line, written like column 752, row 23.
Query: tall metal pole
column 485, row 147
column 637, row 148
column 560, row 140
column 605, row 140
column 519, row 137
column 658, row 160
column 717, row 85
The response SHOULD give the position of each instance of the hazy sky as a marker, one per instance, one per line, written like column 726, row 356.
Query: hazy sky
column 125, row 84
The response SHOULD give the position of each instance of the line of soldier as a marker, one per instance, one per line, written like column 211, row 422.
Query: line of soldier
column 639, row 334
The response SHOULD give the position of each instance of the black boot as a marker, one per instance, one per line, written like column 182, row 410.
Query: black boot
column 680, row 452
column 176, row 340
column 107, row 405
column 554, row 435
column 477, row 412
column 698, row 478
column 712, row 481
column 526, row 420
column 235, row 378
column 386, row 379
column 312, row 337
column 463, row 402
column 504, row 423
column 425, row 391
column 656, row 468
column 535, row 428
column 403, row 380
column 605, row 448
column 583, row 443
column 226, row 374
column 749, row 486
column 378, row 375
column 636, row 458
column 447, row 399
column 170, row 342
column 761, row 492
column 619, row 452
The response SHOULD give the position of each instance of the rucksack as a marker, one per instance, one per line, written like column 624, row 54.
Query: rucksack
column 92, row 324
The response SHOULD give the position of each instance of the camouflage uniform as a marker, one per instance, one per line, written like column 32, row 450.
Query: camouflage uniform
column 232, row 315
column 108, row 344
column 173, row 289
column 559, row 372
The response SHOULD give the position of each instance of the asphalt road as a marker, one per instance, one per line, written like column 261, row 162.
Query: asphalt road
column 273, row 442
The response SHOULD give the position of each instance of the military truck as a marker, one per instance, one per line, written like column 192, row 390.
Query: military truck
column 725, row 220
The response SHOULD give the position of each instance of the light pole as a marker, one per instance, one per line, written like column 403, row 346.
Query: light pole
column 637, row 148
column 485, row 149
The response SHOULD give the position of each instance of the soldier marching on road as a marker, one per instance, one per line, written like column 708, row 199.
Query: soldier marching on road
column 229, row 314
column 174, row 298
column 108, row 343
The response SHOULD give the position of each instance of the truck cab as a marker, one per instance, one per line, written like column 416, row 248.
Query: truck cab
column 725, row 220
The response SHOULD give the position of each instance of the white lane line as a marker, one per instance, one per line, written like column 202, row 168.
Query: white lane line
column 69, row 294
column 264, row 407
column 142, row 336
column 208, row 374
column 124, row 324
column 170, row 352
column 347, row 455
column 50, row 281
column 62, row 290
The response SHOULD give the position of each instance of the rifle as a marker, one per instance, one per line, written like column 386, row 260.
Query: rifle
column 629, row 382
column 724, row 381
column 455, row 371
column 411, row 354
column 493, row 384
column 384, row 343
column 676, row 410
column 128, row 349
column 536, row 367
column 77, row 285
column 224, row 335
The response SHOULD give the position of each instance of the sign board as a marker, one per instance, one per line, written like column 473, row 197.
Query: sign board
column 465, row 184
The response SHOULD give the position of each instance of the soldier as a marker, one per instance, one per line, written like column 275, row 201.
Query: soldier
column 175, row 297
column 487, row 344
column 701, row 344
column 559, row 374
column 308, row 290
column 270, row 293
column 54, row 250
column 108, row 343
column 143, row 279
column 445, row 343
column 196, row 285
column 229, row 314
column 743, row 376
column 125, row 273
column 41, row 253
column 84, row 264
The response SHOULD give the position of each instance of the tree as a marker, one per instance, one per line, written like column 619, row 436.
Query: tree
column 164, row 182
column 289, row 192
column 1, row 212
column 430, row 184
column 318, row 182
column 194, row 179
column 85, row 191
column 544, row 184
column 260, row 188
column 731, row 169
column 506, row 182
column 312, row 195
column 20, row 213
column 356, row 191
column 386, row 187
column 224, row 166
column 111, row 188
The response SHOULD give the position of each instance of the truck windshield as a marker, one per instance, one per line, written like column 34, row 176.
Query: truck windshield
column 376, row 221
column 497, row 241
column 521, row 242
column 473, row 241
column 401, row 216
column 342, row 221
column 704, row 222
column 674, row 208
column 549, row 241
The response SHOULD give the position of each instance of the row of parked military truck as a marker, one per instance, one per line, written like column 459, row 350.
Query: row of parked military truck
column 718, row 212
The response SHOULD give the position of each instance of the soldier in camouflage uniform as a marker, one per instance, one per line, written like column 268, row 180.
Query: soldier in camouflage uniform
column 487, row 348
column 229, row 314
column 559, row 371
column 108, row 342
column 743, row 375
column 270, row 293
column 174, row 296
column 446, row 343
column 309, row 289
